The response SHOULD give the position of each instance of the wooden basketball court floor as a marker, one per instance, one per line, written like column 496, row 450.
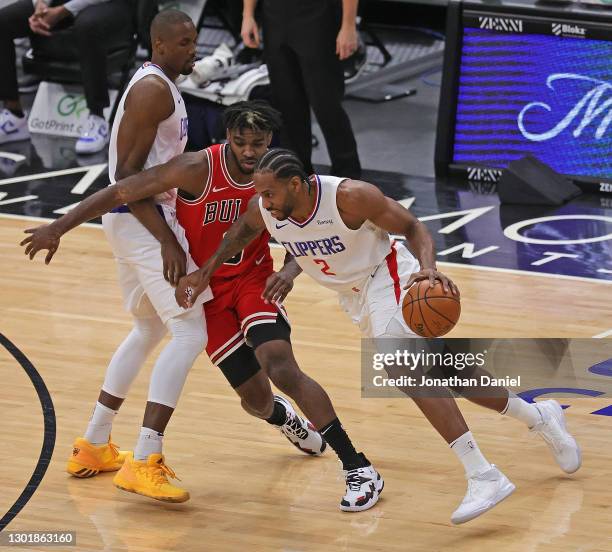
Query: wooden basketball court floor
column 250, row 488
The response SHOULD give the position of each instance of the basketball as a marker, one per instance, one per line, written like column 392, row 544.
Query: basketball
column 429, row 312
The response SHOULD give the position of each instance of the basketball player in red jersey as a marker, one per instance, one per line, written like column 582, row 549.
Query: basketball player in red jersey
column 216, row 186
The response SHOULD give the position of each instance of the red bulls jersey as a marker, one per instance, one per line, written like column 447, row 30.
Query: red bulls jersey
column 207, row 218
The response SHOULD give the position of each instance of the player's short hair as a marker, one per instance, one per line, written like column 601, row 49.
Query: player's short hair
column 283, row 163
column 256, row 115
column 166, row 18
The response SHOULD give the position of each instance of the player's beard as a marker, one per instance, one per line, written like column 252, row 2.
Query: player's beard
column 248, row 171
column 287, row 208
column 283, row 215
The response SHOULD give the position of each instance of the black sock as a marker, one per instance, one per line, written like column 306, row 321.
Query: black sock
column 337, row 438
column 279, row 414
column 17, row 112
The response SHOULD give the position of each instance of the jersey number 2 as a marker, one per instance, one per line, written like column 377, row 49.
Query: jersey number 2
column 325, row 268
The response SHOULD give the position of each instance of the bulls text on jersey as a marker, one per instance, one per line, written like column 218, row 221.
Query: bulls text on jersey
column 225, row 210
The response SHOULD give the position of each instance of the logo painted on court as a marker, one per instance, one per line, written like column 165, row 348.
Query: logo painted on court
column 573, row 240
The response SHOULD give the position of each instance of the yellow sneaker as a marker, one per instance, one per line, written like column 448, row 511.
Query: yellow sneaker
column 88, row 460
column 149, row 478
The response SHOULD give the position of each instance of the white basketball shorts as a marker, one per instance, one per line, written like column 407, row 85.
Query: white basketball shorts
column 377, row 307
column 140, row 266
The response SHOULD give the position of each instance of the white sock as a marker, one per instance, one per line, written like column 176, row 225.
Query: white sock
column 100, row 424
column 520, row 409
column 149, row 442
column 466, row 449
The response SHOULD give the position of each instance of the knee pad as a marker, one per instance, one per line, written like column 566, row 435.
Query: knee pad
column 131, row 355
column 189, row 331
column 174, row 362
column 150, row 330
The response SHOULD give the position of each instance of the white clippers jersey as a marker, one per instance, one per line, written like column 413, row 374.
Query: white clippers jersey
column 334, row 255
column 171, row 135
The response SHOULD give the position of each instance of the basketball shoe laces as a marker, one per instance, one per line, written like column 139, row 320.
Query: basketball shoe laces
column 114, row 449
column 354, row 479
column 295, row 427
column 159, row 474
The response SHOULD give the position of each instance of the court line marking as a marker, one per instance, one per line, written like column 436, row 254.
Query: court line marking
column 52, row 174
column 603, row 334
column 71, row 316
column 48, row 444
column 527, row 273
column 441, row 263
column 44, row 219
column 128, row 322
column 333, row 347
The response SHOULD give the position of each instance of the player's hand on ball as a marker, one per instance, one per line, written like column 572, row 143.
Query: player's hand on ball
column 432, row 275
column 41, row 237
column 278, row 285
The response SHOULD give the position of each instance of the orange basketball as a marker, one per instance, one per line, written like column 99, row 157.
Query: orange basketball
column 429, row 312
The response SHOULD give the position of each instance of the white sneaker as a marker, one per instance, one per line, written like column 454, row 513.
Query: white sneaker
column 485, row 490
column 553, row 430
column 95, row 136
column 300, row 432
column 10, row 162
column 13, row 128
column 363, row 488
column 213, row 67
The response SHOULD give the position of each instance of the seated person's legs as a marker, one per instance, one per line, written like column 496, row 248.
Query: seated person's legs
column 13, row 24
column 97, row 30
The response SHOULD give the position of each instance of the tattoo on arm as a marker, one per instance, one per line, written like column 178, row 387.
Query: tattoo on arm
column 235, row 240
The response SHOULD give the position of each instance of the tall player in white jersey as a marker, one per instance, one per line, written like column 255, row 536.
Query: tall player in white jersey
column 338, row 231
column 151, row 253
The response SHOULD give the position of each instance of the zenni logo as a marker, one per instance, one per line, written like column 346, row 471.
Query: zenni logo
column 483, row 174
column 501, row 24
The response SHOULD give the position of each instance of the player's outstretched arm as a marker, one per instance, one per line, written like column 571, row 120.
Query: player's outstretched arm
column 184, row 170
column 241, row 233
column 359, row 201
